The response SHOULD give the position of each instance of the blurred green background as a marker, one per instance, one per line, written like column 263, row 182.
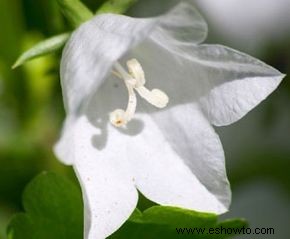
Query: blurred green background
column 257, row 147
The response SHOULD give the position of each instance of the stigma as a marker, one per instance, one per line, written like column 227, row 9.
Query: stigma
column 134, row 80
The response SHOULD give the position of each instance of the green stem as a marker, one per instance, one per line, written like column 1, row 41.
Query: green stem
column 75, row 11
column 116, row 6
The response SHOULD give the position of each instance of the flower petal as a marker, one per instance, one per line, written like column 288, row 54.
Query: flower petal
column 91, row 51
column 105, row 177
column 62, row 148
column 236, row 83
column 178, row 160
column 226, row 83
column 183, row 25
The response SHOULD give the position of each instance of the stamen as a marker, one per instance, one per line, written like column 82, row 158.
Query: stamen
column 122, row 72
column 132, row 102
column 120, row 117
column 135, row 79
column 117, row 74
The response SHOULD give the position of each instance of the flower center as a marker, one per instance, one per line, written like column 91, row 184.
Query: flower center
column 134, row 80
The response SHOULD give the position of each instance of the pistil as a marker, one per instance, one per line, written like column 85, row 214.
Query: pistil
column 135, row 79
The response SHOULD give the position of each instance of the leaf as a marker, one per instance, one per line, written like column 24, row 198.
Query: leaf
column 75, row 11
column 178, row 217
column 116, row 6
column 42, row 48
column 53, row 209
column 165, row 222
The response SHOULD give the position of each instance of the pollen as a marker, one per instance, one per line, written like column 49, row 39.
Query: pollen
column 134, row 80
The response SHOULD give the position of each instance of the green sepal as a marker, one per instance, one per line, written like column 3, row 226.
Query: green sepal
column 75, row 11
column 42, row 48
column 116, row 6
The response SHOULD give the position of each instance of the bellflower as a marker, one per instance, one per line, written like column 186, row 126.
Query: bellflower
column 141, row 96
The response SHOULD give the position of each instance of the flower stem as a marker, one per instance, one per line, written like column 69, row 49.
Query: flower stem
column 116, row 6
column 75, row 11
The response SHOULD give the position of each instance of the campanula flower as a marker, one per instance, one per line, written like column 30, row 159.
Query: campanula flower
column 141, row 96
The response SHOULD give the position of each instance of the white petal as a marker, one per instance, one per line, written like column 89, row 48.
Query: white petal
column 62, row 148
column 236, row 83
column 226, row 83
column 91, row 51
column 105, row 177
column 178, row 160
column 183, row 25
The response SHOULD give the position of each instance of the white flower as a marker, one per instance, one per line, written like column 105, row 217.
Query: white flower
column 164, row 144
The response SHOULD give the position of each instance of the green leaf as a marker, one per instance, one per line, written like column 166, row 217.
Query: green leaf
column 163, row 222
column 116, row 6
column 75, row 11
column 178, row 217
column 42, row 48
column 53, row 209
